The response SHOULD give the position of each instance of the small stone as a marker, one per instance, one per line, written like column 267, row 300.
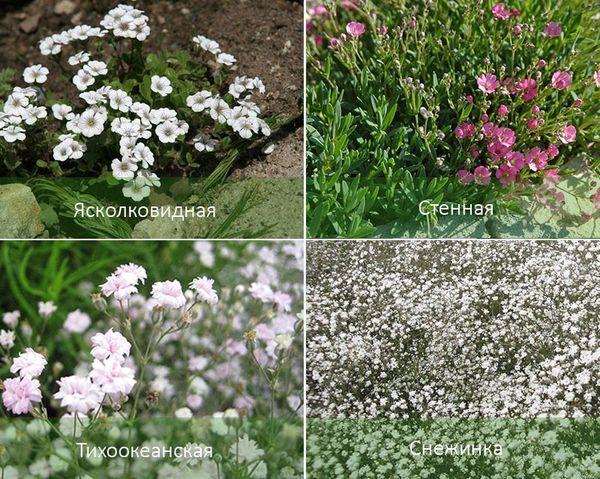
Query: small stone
column 20, row 213
column 185, row 11
column 158, row 228
column 30, row 24
column 65, row 7
column 268, row 148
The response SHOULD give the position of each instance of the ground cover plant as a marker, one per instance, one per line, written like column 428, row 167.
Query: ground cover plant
column 105, row 102
column 454, row 342
column 165, row 345
column 460, row 102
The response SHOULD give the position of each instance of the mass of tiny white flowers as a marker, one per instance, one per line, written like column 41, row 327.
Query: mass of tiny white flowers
column 142, row 132
column 453, row 329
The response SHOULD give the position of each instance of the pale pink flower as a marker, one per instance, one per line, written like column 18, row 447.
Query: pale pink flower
column 264, row 333
column 262, row 292
column 568, row 134
column 132, row 273
column 168, row 294
column 553, row 29
column 112, row 344
column 482, row 175
column 46, row 308
column 198, row 363
column 597, row 77
column 234, row 347
column 20, row 394
column 78, row 394
column 29, row 363
column 118, row 286
column 355, row 29
column 77, row 321
column 283, row 301
column 500, row 11
column 7, row 338
column 112, row 377
column 488, row 83
column 244, row 402
column 204, row 288
column 552, row 176
column 11, row 319
column 194, row 401
column 561, row 80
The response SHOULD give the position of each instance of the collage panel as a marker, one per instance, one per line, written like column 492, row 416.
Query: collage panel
column 151, row 359
column 452, row 359
column 452, row 119
column 151, row 119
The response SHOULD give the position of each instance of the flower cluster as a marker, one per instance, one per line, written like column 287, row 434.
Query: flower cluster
column 453, row 329
column 143, row 117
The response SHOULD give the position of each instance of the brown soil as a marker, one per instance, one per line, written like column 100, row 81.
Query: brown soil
column 266, row 37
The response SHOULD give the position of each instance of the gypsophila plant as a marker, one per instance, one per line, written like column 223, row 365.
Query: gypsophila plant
column 418, row 329
column 216, row 360
column 129, row 114
column 449, row 102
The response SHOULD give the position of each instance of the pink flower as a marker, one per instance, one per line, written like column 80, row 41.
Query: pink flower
column 112, row 377
column 482, row 175
column 132, row 273
column 553, row 29
column 355, row 29
column 264, row 333
column 77, row 321
column 577, row 103
column 309, row 25
column 112, row 344
column 502, row 110
column 542, row 63
column 500, row 11
column 506, row 174
column 318, row 40
column 552, row 176
column 194, row 401
column 489, row 129
column 20, row 394
column 318, row 11
column 335, row 43
column 118, row 286
column 596, row 199
column 78, row 394
column 204, row 289
column 532, row 124
column 234, row 347
column 536, row 109
column 46, row 309
column 383, row 30
column 505, row 136
column 568, row 134
column 469, row 98
column 597, row 77
column 11, row 319
column 552, row 151
column 29, row 364
column 262, row 292
column 536, row 159
column 561, row 80
column 484, row 117
column 283, row 301
column 514, row 159
column 517, row 30
column 464, row 177
column 528, row 89
column 168, row 294
column 349, row 4
column 464, row 130
column 487, row 83
column 474, row 151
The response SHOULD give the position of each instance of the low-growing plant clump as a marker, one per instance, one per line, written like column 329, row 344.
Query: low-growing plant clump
column 130, row 116
column 420, row 329
column 219, row 361
column 460, row 102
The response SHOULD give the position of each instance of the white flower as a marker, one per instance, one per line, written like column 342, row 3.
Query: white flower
column 246, row 127
column 207, row 44
column 136, row 189
column 204, row 143
column 143, row 154
column 35, row 74
column 284, row 341
column 204, row 289
column 29, row 363
column 96, row 68
column 82, row 80
column 11, row 318
column 219, row 110
column 167, row 132
column 168, row 294
column 34, row 113
column 91, row 123
column 161, row 85
column 78, row 58
column 123, row 169
column 120, row 100
column 13, row 133
column 199, row 101
column 15, row 104
column 162, row 115
column 62, row 151
column 62, row 111
column 78, row 394
column 7, row 338
column 226, row 59
column 184, row 413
